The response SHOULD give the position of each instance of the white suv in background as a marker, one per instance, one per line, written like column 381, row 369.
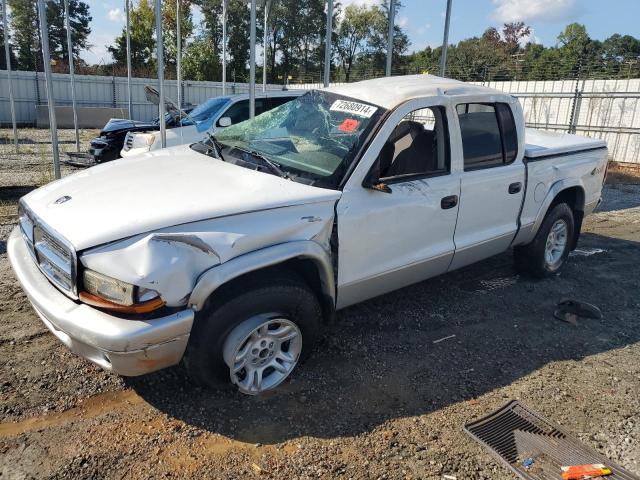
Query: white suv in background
column 209, row 116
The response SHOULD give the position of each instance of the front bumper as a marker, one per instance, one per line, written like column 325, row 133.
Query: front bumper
column 126, row 347
column 104, row 150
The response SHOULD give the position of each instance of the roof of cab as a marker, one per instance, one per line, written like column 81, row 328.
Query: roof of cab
column 389, row 92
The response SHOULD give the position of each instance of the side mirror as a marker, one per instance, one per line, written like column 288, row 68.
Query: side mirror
column 224, row 122
column 372, row 180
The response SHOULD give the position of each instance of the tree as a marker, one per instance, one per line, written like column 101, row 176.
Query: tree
column 12, row 57
column 79, row 19
column 354, row 30
column 26, row 37
column 238, row 40
column 142, row 27
column 379, row 37
column 513, row 34
column 169, row 30
column 200, row 61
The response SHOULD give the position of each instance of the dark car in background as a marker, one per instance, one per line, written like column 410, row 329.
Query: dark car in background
column 108, row 145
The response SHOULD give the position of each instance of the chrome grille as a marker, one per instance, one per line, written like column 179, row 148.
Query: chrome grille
column 53, row 255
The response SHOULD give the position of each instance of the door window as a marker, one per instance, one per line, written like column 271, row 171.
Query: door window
column 417, row 146
column 489, row 137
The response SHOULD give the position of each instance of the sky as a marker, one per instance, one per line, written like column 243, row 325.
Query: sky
column 423, row 20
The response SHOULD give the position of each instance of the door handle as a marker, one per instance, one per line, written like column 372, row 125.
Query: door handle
column 515, row 187
column 449, row 202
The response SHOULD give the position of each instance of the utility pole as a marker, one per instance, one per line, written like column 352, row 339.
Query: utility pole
column 392, row 14
column 67, row 23
column 445, row 41
column 327, row 43
column 46, row 61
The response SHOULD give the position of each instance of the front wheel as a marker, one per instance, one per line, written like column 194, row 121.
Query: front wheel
column 254, row 334
column 550, row 247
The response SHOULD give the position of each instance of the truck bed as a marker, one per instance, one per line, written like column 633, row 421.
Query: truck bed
column 539, row 143
column 556, row 161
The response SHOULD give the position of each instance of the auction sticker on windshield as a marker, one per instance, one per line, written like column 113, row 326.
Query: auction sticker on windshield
column 360, row 109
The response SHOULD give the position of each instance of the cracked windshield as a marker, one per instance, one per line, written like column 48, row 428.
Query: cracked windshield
column 311, row 139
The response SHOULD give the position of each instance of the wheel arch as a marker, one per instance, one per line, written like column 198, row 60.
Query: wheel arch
column 573, row 194
column 306, row 258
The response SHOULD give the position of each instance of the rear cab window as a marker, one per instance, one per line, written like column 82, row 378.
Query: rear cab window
column 489, row 136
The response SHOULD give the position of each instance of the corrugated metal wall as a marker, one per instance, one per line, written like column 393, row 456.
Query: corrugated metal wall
column 95, row 91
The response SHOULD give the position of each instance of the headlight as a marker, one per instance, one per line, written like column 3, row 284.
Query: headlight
column 107, row 292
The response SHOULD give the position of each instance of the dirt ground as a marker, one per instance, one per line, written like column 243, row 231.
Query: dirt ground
column 380, row 398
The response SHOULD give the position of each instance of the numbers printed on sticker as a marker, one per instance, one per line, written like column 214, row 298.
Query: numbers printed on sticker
column 360, row 109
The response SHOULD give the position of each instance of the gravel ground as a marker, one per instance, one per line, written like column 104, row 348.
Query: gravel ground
column 378, row 399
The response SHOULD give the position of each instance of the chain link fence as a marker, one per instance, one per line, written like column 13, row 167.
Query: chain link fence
column 599, row 100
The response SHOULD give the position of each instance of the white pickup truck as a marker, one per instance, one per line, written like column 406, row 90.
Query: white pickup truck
column 232, row 254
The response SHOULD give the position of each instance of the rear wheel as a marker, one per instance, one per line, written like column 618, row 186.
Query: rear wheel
column 550, row 247
column 253, row 334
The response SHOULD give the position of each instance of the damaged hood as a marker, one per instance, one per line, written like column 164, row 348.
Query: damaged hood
column 119, row 124
column 157, row 190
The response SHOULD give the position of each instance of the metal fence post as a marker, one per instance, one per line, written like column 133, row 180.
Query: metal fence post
column 46, row 61
column 445, row 40
column 327, row 44
column 160, row 59
column 252, row 62
column 72, row 73
column 129, row 93
column 576, row 101
column 224, row 46
column 392, row 14
column 7, row 53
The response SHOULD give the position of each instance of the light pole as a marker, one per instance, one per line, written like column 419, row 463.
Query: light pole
column 7, row 53
column 67, row 23
column 327, row 43
column 46, row 61
column 392, row 14
column 445, row 41
column 160, row 54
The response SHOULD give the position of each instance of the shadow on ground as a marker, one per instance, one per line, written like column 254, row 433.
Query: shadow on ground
column 379, row 360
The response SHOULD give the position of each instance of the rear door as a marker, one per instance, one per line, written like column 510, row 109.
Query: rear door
column 492, row 182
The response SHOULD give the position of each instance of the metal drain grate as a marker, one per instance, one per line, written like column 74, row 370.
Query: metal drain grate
column 515, row 433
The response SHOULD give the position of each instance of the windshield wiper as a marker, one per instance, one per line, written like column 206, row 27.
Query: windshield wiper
column 217, row 146
column 273, row 166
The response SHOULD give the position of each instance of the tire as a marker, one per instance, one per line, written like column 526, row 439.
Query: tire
column 279, row 300
column 534, row 258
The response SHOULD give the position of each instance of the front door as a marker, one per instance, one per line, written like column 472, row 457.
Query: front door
column 393, row 238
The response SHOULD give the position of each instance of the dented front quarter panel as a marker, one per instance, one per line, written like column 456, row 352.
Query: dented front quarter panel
column 171, row 260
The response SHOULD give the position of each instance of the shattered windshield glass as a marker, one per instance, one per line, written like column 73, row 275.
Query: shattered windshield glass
column 314, row 137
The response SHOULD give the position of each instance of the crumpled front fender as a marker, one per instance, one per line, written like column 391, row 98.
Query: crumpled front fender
column 172, row 260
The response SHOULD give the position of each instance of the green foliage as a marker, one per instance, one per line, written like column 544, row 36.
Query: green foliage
column 26, row 31
column 12, row 56
column 25, row 26
column 142, row 26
